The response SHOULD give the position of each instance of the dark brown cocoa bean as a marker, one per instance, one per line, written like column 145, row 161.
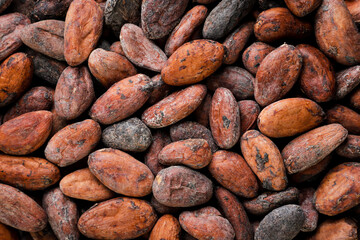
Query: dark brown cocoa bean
column 236, row 79
column 225, row 16
column 157, row 22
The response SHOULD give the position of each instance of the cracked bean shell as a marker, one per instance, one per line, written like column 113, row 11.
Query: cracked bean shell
column 82, row 184
column 73, row 143
column 30, row 173
column 141, row 51
column 118, row 218
column 265, row 160
column 273, row 82
column 310, row 148
column 25, row 133
column 193, row 62
column 206, row 223
column 174, row 107
column 289, row 117
column 224, row 118
column 129, row 135
column 121, row 172
column 74, row 92
column 20, row 211
column 122, row 99
column 15, row 77
column 46, row 37
column 339, row 191
column 194, row 153
column 233, row 173
column 179, row 186
column 82, row 31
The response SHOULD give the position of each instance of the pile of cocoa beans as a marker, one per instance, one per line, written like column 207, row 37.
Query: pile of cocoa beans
column 179, row 119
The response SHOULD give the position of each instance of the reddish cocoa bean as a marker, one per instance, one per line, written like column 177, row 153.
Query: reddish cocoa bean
column 140, row 50
column 350, row 147
column 224, row 118
column 109, row 67
column 203, row 111
column 189, row 129
column 11, row 26
column 235, row 213
column 249, row 111
column 236, row 41
column 268, row 201
column 347, row 80
column 346, row 117
column 306, row 199
column 37, row 98
column 82, row 31
column 183, row 31
column 254, row 55
column 62, row 213
column 46, row 37
column 74, row 92
column 174, row 107
column 160, row 139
